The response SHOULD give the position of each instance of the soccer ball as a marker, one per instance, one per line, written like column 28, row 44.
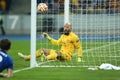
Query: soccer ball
column 42, row 7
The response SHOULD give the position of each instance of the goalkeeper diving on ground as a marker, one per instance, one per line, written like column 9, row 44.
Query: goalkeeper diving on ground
column 68, row 41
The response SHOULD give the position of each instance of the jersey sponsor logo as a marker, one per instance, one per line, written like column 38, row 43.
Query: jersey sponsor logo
column 1, row 58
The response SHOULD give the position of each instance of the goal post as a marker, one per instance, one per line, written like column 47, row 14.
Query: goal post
column 66, row 11
column 33, row 62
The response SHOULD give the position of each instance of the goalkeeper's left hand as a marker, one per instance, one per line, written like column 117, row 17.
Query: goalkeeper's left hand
column 45, row 35
column 79, row 59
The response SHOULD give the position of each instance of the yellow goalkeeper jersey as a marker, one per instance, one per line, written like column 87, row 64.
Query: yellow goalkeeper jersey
column 68, row 44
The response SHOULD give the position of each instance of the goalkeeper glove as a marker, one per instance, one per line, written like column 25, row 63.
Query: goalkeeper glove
column 79, row 59
column 45, row 35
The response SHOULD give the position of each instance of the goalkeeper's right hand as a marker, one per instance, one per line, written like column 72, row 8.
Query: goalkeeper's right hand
column 45, row 35
column 79, row 59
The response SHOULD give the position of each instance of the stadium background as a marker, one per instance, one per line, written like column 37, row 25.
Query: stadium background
column 16, row 18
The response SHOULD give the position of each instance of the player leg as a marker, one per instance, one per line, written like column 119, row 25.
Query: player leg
column 56, row 55
column 50, row 54
column 27, row 57
column 63, row 56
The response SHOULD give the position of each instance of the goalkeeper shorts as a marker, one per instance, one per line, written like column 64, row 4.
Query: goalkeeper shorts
column 63, row 56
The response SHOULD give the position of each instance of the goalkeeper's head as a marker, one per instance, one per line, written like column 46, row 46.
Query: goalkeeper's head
column 67, row 28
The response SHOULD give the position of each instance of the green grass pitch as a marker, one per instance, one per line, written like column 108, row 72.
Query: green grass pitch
column 94, row 54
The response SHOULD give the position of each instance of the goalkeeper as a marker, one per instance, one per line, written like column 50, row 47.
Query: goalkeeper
column 69, row 41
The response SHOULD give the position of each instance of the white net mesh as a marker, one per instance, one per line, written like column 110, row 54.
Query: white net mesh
column 96, row 22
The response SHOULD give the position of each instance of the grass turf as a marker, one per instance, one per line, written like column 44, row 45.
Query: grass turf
column 67, row 73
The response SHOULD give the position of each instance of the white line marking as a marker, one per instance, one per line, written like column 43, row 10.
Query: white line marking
column 27, row 68
column 22, row 69
column 104, row 46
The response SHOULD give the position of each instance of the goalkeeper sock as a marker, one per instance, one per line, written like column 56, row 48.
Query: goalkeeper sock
column 38, row 53
column 22, row 56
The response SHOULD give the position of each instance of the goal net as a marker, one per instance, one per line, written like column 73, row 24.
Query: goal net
column 96, row 22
